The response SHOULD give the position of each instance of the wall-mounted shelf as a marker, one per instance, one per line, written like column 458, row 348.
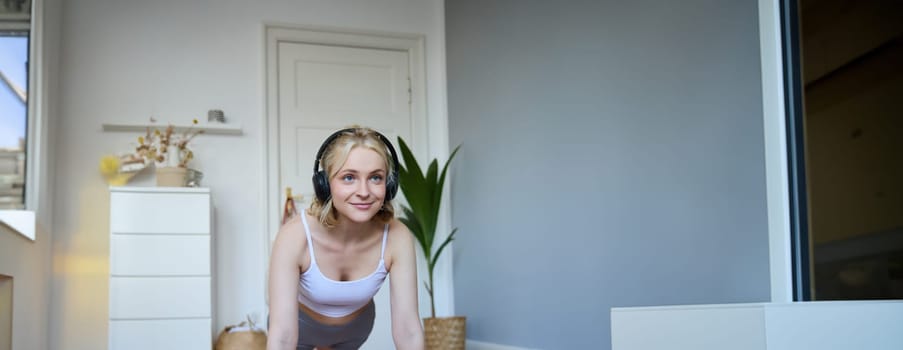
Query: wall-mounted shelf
column 211, row 129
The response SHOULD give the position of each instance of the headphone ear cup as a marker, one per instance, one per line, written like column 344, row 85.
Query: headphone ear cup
column 321, row 186
column 391, row 187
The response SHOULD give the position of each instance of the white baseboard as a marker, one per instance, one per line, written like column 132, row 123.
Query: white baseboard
column 859, row 324
column 479, row 345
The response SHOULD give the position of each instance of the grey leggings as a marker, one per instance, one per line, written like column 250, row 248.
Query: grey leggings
column 347, row 336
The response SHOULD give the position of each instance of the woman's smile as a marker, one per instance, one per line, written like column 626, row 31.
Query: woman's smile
column 362, row 206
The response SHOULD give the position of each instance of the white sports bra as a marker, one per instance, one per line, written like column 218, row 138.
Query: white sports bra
column 333, row 298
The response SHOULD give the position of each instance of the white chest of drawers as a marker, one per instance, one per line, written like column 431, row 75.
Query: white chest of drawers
column 160, row 268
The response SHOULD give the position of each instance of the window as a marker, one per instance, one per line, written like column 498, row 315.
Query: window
column 18, row 120
column 845, row 138
column 13, row 117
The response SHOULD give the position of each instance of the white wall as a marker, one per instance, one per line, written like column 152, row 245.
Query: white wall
column 617, row 147
column 27, row 261
column 123, row 61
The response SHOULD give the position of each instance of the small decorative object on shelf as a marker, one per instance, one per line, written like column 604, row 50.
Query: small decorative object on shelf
column 216, row 115
column 119, row 170
column 193, row 178
column 171, row 176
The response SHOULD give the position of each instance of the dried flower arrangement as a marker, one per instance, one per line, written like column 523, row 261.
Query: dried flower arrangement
column 165, row 148
column 156, row 146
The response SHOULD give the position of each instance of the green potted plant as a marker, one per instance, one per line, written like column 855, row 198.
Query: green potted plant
column 424, row 196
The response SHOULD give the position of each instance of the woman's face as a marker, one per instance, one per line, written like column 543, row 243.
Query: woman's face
column 359, row 187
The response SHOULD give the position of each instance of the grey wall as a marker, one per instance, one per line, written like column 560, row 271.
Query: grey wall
column 612, row 156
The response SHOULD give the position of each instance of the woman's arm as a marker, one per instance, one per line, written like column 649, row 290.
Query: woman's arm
column 406, row 329
column 283, row 287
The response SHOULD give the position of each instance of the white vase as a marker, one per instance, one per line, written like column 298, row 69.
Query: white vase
column 172, row 156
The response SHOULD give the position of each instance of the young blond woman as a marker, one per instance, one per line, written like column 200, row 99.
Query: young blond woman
column 330, row 260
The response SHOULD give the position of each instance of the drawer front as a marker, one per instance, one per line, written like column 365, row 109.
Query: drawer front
column 159, row 297
column 144, row 255
column 160, row 213
column 187, row 334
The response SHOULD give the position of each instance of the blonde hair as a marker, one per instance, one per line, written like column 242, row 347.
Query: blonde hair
column 335, row 155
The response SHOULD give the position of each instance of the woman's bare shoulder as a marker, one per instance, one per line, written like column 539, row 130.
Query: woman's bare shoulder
column 291, row 236
column 400, row 245
column 399, row 235
column 396, row 227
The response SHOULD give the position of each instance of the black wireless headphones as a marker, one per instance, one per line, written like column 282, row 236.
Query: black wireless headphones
column 321, row 179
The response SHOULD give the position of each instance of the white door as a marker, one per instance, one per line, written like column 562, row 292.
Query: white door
column 323, row 88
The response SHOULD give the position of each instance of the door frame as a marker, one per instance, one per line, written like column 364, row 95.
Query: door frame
column 271, row 194
column 777, row 163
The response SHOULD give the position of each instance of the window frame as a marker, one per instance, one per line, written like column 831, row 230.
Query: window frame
column 793, row 103
column 24, row 222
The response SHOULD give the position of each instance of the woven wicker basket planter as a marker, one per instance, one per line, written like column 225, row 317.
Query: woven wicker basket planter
column 444, row 333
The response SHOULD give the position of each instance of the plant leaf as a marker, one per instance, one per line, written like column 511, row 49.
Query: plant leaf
column 410, row 166
column 413, row 223
column 437, row 201
column 449, row 239
column 431, row 207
